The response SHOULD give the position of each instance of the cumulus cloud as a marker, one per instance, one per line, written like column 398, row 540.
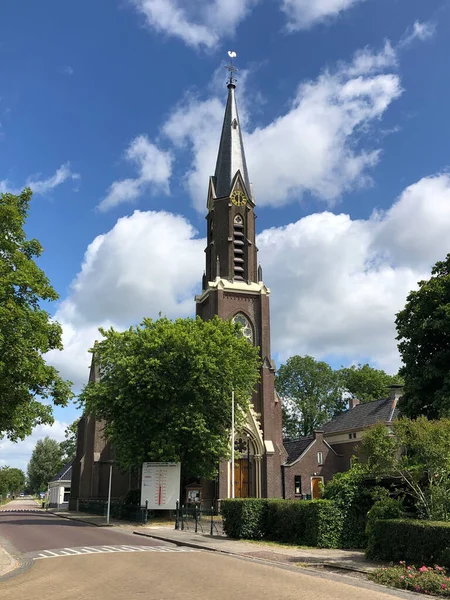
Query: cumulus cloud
column 199, row 24
column 42, row 186
column 150, row 262
column 154, row 168
column 303, row 14
column 315, row 147
column 419, row 31
column 336, row 296
column 18, row 454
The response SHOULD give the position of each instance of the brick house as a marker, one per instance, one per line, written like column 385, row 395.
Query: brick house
column 313, row 460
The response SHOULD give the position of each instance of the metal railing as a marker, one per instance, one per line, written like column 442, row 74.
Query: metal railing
column 118, row 510
column 198, row 519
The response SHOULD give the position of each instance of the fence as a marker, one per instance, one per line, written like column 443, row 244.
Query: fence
column 118, row 510
column 198, row 519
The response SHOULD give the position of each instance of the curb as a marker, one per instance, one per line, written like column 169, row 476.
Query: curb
column 19, row 563
column 78, row 520
column 163, row 538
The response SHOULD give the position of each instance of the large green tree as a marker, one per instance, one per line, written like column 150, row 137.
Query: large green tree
column 423, row 328
column 46, row 460
column 12, row 480
column 69, row 444
column 416, row 452
column 312, row 393
column 26, row 329
column 366, row 383
column 165, row 390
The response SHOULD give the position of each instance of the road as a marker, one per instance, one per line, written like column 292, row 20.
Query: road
column 82, row 562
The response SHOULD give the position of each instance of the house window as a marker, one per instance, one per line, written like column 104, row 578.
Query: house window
column 349, row 436
column 298, row 485
column 354, row 436
column 66, row 494
column 320, row 458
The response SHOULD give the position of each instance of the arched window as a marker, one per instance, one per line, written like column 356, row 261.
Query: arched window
column 247, row 329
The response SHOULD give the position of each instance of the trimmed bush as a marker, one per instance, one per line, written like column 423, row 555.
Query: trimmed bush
column 417, row 542
column 306, row 522
column 245, row 518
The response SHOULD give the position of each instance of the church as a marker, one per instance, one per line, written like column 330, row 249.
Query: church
column 232, row 288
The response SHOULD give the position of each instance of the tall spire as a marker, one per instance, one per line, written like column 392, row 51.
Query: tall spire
column 231, row 156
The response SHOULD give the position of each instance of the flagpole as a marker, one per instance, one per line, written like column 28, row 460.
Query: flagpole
column 232, row 443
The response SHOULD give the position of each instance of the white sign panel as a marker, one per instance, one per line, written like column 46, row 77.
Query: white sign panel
column 160, row 485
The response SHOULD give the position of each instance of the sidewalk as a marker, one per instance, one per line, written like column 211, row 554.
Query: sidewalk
column 7, row 562
column 350, row 560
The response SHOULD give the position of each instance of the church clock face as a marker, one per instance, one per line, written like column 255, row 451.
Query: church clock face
column 247, row 330
column 238, row 198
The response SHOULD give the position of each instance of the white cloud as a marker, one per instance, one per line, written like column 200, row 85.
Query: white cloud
column 150, row 262
column 316, row 146
column 201, row 23
column 154, row 170
column 419, row 31
column 303, row 14
column 18, row 454
column 346, row 279
column 336, row 296
column 42, row 186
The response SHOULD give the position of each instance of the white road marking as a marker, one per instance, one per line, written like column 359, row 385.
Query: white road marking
column 83, row 550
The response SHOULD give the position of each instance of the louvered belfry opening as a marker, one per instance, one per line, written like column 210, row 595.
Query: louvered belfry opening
column 238, row 247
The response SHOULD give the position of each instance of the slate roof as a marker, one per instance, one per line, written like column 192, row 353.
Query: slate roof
column 363, row 415
column 65, row 474
column 295, row 448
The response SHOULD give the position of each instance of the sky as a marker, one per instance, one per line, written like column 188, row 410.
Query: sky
column 111, row 112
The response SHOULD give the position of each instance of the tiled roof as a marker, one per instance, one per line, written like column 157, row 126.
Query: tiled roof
column 295, row 448
column 65, row 474
column 363, row 415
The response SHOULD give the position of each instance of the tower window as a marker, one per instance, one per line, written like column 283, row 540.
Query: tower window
column 238, row 248
column 247, row 329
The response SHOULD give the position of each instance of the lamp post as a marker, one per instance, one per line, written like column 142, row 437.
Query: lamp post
column 232, row 443
column 248, row 465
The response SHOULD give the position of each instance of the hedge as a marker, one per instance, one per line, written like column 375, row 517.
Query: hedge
column 416, row 542
column 308, row 522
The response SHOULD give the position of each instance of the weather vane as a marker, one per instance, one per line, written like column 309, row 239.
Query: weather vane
column 231, row 68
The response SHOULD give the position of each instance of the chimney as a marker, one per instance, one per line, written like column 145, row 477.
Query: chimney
column 318, row 434
column 352, row 402
column 396, row 392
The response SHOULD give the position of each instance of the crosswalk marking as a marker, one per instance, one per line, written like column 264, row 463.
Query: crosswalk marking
column 83, row 550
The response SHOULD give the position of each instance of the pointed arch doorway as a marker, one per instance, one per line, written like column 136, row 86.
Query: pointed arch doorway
column 244, row 467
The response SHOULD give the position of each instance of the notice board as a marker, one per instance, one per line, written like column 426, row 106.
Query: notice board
column 160, row 485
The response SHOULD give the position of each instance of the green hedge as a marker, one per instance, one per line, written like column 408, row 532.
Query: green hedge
column 416, row 542
column 307, row 522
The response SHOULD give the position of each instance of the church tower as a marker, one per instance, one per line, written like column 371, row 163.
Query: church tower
column 233, row 289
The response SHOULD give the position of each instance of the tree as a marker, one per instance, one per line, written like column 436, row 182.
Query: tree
column 165, row 391
column 416, row 452
column 366, row 383
column 423, row 329
column 312, row 394
column 45, row 462
column 11, row 480
column 26, row 330
column 69, row 444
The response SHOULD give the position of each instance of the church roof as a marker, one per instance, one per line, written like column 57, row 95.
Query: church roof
column 364, row 415
column 231, row 156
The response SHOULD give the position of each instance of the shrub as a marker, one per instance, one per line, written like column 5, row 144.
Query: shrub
column 384, row 508
column 418, row 542
column 427, row 580
column 308, row 522
column 352, row 495
column 245, row 518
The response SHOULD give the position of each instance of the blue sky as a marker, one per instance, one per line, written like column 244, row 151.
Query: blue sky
column 115, row 106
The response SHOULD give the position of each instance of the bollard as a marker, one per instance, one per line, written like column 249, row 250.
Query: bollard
column 212, row 520
column 195, row 517
column 146, row 513
column 177, row 514
column 182, row 518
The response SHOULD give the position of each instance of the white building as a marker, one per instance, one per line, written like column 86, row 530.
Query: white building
column 59, row 488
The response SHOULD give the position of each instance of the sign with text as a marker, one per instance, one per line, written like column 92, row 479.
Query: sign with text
column 160, row 485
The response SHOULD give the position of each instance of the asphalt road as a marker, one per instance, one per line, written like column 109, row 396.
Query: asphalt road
column 29, row 529
column 89, row 562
